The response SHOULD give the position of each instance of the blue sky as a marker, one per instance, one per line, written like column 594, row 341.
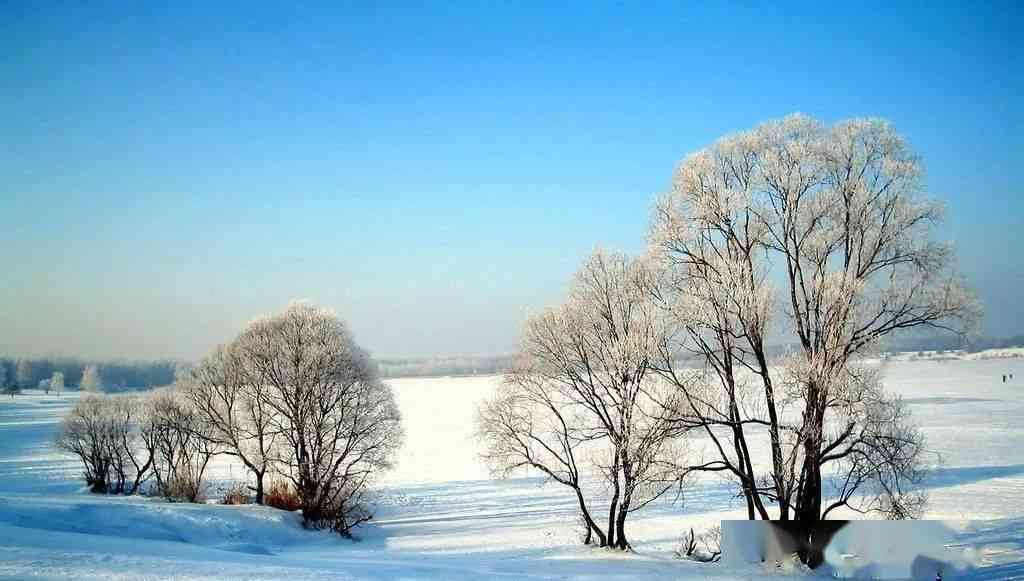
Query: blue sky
column 435, row 171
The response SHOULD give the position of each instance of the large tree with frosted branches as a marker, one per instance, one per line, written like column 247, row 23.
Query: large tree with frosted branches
column 821, row 237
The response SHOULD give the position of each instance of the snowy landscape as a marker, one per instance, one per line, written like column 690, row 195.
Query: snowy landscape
column 465, row 290
column 440, row 516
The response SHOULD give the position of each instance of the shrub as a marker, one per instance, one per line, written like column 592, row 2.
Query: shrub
column 181, row 487
column 282, row 495
column 237, row 494
column 705, row 547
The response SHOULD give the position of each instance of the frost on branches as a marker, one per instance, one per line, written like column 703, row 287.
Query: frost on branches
column 823, row 238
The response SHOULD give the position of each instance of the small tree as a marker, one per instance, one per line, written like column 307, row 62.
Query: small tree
column 182, row 446
column 89, row 432
column 137, row 445
column 529, row 425
column 56, row 384
column 232, row 399
column 586, row 379
column 91, row 381
column 111, row 435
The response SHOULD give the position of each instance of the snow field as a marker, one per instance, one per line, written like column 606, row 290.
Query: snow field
column 441, row 516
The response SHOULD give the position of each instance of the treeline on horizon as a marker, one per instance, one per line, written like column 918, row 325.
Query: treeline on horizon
column 442, row 366
column 951, row 342
column 144, row 374
column 115, row 375
column 499, row 364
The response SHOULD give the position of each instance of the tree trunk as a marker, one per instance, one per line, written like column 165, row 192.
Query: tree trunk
column 778, row 464
column 620, row 525
column 259, row 487
column 612, row 513
column 808, row 507
column 750, row 502
column 591, row 525
column 140, row 475
column 613, row 508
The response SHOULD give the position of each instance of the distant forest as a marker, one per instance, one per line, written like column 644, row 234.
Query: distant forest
column 491, row 365
column 135, row 375
column 442, row 366
column 115, row 375
column 949, row 342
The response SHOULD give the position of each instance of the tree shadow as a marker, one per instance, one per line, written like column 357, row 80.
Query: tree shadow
column 947, row 477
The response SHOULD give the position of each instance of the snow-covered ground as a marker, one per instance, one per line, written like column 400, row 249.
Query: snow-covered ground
column 440, row 516
column 1005, row 353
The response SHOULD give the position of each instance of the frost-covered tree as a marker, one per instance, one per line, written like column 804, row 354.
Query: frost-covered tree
column 232, row 397
column 840, row 214
column 111, row 436
column 89, row 432
column 339, row 425
column 56, row 384
column 585, row 391
column 529, row 425
column 91, row 381
column 23, row 373
column 182, row 445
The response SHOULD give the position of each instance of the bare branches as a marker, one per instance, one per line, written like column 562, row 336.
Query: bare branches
column 231, row 398
column 840, row 213
column 337, row 423
column 183, row 446
column 112, row 437
column 583, row 386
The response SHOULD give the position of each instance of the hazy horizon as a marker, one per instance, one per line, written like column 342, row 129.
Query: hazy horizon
column 434, row 175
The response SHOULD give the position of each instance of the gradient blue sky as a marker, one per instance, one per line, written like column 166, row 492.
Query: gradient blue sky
column 435, row 171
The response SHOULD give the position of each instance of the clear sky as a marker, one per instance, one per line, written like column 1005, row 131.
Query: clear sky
column 435, row 171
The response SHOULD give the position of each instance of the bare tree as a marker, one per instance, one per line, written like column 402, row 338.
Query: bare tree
column 137, row 440
column 109, row 435
column 89, row 432
column 233, row 400
column 339, row 423
column 839, row 213
column 527, row 424
column 91, row 381
column 587, row 370
column 182, row 446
